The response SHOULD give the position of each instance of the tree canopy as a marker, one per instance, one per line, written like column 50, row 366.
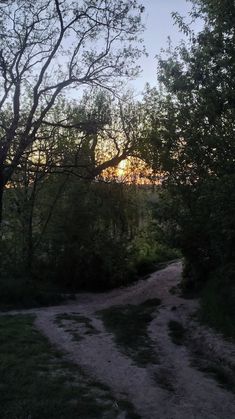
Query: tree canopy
column 50, row 47
column 192, row 136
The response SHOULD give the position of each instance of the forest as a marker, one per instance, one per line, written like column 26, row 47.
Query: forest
column 96, row 187
column 117, row 213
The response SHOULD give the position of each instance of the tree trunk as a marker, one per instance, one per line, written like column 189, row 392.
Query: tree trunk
column 30, row 243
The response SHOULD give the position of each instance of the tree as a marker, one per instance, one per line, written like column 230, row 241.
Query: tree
column 49, row 47
column 61, row 157
column 192, row 138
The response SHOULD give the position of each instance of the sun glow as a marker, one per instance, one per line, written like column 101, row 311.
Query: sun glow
column 131, row 171
column 122, row 168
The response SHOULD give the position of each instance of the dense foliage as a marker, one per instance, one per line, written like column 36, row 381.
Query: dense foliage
column 65, row 217
column 94, row 235
column 193, row 138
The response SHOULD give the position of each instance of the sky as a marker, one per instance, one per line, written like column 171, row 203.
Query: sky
column 159, row 25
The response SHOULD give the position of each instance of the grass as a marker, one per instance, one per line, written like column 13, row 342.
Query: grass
column 218, row 302
column 177, row 332
column 129, row 325
column 224, row 376
column 38, row 383
column 152, row 256
column 125, row 405
column 71, row 323
column 164, row 379
column 16, row 293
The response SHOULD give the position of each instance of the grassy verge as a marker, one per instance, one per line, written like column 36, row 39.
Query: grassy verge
column 129, row 325
column 37, row 383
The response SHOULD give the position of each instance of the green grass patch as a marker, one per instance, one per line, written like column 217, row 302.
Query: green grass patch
column 38, row 383
column 129, row 325
column 177, row 332
column 76, row 324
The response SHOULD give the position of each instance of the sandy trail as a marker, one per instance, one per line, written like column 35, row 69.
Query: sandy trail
column 189, row 393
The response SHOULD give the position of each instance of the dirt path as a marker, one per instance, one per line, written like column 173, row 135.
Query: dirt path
column 172, row 388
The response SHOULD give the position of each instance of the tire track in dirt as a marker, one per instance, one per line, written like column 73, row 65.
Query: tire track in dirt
column 172, row 389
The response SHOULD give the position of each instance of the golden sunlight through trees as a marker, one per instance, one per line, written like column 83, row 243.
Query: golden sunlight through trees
column 132, row 170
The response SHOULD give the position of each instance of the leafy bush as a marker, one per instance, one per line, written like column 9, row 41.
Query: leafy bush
column 99, row 236
column 102, row 264
column 149, row 249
